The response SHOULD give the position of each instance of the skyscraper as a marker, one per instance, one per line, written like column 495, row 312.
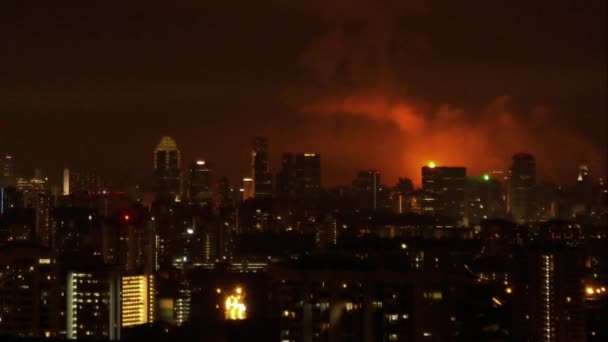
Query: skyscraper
column 93, row 304
column 262, row 178
column 300, row 176
column 138, row 300
column 247, row 188
column 286, row 179
column 7, row 172
column 200, row 181
column 522, row 181
column 29, row 292
column 548, row 303
column 167, row 160
column 308, row 175
column 443, row 191
column 366, row 189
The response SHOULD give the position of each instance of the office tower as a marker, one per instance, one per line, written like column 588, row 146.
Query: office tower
column 42, row 206
column 247, row 188
column 308, row 175
column 7, row 171
column 138, row 300
column 224, row 191
column 443, row 192
column 93, row 303
column 167, row 161
column 548, row 298
column 484, row 199
column 300, row 176
column 200, row 187
column 286, row 178
column 129, row 242
column 366, row 188
column 262, row 178
column 29, row 292
column 522, row 181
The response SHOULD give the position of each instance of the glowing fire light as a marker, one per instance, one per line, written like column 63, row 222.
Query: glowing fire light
column 432, row 164
column 235, row 308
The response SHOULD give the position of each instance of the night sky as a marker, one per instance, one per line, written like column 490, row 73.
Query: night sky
column 368, row 84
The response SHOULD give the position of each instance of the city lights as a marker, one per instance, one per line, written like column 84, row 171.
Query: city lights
column 234, row 305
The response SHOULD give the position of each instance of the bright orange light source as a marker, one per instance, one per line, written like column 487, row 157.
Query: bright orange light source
column 432, row 164
column 127, row 217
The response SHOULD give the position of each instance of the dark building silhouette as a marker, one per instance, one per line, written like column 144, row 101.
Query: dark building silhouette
column 366, row 189
column 167, row 160
column 29, row 295
column 200, row 181
column 443, row 190
column 522, row 181
column 262, row 178
column 484, row 199
column 300, row 176
column 548, row 299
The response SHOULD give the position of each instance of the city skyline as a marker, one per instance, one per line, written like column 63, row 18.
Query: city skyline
column 147, row 179
column 304, row 171
column 388, row 91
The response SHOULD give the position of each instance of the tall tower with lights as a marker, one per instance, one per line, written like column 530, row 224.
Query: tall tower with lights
column 443, row 191
column 167, row 160
column 522, row 182
column 262, row 178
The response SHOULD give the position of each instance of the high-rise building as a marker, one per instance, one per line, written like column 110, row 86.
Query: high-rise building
column 443, row 191
column 167, row 161
column 262, row 178
column 484, row 199
column 7, row 172
column 308, row 175
column 366, row 188
column 300, row 176
column 548, row 298
column 286, row 178
column 29, row 299
column 138, row 300
column 247, row 188
column 522, row 181
column 93, row 304
column 200, row 187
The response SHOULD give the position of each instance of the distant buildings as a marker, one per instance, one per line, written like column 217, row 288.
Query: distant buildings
column 29, row 291
column 300, row 176
column 167, row 161
column 484, row 199
column 7, row 171
column 93, row 304
column 522, row 182
column 548, row 297
column 443, row 190
column 138, row 300
column 247, row 188
column 200, row 182
column 366, row 189
column 262, row 178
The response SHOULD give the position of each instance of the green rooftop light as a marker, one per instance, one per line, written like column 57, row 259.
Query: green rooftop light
column 486, row 177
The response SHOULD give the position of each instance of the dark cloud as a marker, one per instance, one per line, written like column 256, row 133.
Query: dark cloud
column 363, row 82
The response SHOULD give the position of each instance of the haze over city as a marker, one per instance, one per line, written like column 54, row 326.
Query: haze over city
column 303, row 171
column 391, row 84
